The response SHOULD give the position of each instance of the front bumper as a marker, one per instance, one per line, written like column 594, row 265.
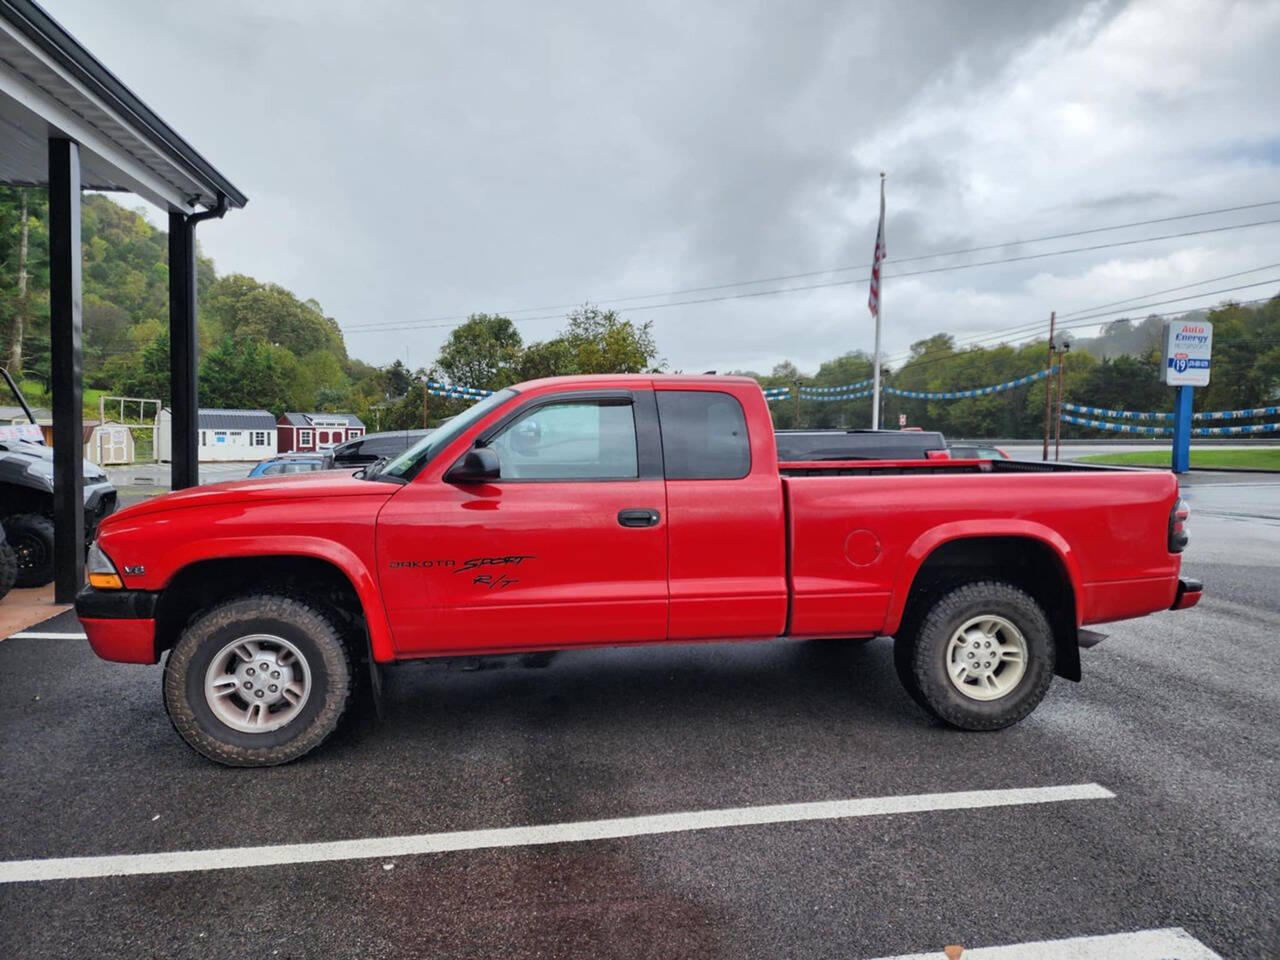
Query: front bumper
column 120, row 624
column 1188, row 594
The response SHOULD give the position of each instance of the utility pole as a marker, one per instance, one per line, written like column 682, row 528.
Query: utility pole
column 795, row 386
column 1057, row 423
column 1048, row 387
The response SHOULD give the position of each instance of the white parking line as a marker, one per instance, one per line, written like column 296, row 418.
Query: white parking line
column 229, row 858
column 1170, row 943
column 42, row 635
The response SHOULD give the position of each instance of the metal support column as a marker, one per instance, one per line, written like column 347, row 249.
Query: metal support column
column 65, row 366
column 1182, row 430
column 185, row 431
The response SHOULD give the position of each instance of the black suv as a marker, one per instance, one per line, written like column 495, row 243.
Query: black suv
column 363, row 451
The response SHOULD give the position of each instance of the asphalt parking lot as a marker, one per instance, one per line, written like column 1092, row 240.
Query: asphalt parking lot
column 1169, row 748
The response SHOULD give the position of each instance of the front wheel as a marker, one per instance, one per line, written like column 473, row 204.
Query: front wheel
column 980, row 658
column 257, row 681
column 8, row 568
column 31, row 537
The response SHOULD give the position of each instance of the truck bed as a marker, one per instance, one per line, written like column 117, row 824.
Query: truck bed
column 858, row 531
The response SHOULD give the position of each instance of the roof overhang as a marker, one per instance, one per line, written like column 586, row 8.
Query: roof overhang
column 52, row 86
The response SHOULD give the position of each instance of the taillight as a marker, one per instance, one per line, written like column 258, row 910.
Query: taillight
column 1177, row 521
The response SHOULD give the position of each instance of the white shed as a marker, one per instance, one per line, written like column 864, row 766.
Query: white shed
column 244, row 435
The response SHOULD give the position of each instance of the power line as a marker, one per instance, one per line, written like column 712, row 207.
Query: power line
column 392, row 326
column 863, row 266
column 969, row 352
column 1036, row 326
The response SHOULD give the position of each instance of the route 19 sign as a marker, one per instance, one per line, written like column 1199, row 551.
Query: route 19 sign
column 1188, row 346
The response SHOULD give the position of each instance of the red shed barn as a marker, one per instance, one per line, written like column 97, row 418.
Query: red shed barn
column 311, row 432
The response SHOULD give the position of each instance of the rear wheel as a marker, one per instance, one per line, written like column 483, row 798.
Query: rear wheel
column 258, row 681
column 31, row 537
column 980, row 657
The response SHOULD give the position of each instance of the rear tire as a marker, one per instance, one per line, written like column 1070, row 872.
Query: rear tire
column 980, row 657
column 30, row 535
column 8, row 568
column 258, row 681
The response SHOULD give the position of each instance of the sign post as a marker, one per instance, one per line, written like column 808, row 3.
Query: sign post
column 1188, row 347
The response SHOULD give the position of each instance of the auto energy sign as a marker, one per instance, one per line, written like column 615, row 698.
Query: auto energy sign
column 1187, row 348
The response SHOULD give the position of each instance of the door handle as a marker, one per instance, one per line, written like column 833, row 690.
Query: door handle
column 638, row 517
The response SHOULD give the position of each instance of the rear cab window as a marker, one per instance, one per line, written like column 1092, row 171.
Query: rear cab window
column 704, row 435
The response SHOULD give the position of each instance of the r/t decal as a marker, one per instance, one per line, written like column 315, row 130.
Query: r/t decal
column 499, row 582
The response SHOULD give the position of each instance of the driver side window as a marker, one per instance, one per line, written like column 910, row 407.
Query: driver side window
column 572, row 440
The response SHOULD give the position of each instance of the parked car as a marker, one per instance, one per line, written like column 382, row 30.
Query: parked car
column 604, row 510
column 371, row 447
column 909, row 444
column 976, row 451
column 26, row 494
column 287, row 463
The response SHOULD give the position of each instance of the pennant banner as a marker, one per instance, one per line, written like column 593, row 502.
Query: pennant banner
column 1167, row 431
column 438, row 389
column 859, row 395
column 976, row 392
column 1237, row 414
column 1149, row 415
column 1117, row 414
column 1235, row 431
column 845, row 388
column 1117, row 427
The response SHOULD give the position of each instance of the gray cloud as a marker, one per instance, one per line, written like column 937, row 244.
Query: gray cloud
column 407, row 161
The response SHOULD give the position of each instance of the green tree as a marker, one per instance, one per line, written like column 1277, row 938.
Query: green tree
column 245, row 374
column 484, row 352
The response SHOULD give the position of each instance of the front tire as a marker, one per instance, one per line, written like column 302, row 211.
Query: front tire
column 258, row 681
column 8, row 568
column 980, row 658
column 31, row 537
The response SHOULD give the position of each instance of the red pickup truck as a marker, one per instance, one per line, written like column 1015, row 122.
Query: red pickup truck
column 605, row 510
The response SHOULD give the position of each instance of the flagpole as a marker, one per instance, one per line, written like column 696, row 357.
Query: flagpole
column 875, row 372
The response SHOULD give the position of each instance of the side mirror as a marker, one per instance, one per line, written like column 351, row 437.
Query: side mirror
column 478, row 465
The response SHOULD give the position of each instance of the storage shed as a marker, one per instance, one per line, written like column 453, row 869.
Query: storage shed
column 244, row 435
column 313, row 432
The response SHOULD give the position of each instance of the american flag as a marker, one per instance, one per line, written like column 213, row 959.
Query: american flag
column 873, row 301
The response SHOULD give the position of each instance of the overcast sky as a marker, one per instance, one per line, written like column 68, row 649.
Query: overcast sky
column 412, row 161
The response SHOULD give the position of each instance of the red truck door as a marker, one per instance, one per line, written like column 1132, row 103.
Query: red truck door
column 569, row 546
column 728, row 565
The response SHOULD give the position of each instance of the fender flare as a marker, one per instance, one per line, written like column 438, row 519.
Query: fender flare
column 929, row 541
column 346, row 561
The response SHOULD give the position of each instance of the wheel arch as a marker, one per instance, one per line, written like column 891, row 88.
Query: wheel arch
column 1031, row 556
column 342, row 583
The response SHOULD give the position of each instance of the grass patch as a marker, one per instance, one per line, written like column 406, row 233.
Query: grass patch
column 1210, row 459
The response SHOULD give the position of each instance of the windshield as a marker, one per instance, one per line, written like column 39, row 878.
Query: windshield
column 421, row 453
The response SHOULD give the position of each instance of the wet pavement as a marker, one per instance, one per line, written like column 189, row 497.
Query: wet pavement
column 1175, row 718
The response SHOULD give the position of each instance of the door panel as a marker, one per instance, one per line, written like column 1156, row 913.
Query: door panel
column 728, row 566
column 525, row 565
column 546, row 556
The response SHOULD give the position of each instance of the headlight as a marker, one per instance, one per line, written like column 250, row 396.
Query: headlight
column 102, row 572
column 41, row 470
